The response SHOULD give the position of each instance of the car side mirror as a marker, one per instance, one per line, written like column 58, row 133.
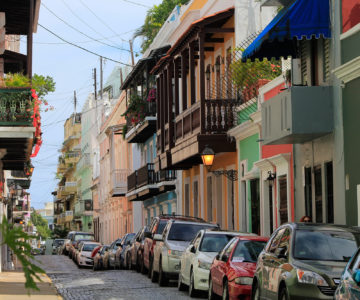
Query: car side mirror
column 281, row 252
column 147, row 234
column 356, row 277
column 192, row 249
column 118, row 244
column 158, row 237
column 217, row 257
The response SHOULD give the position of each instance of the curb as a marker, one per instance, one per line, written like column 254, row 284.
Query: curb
column 52, row 284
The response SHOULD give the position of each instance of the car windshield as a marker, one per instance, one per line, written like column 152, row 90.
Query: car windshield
column 58, row 242
column 161, row 227
column 89, row 247
column 84, row 237
column 214, row 242
column 129, row 237
column 248, row 251
column 185, row 232
column 325, row 245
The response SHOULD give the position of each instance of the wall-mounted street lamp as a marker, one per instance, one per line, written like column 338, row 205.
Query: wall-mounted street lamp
column 207, row 157
column 271, row 176
column 207, row 73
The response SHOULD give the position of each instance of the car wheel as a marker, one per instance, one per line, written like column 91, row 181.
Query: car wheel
column 181, row 285
column 137, row 266
column 225, row 295
column 192, row 291
column 211, row 294
column 154, row 275
column 255, row 292
column 150, row 267
column 283, row 294
column 162, row 276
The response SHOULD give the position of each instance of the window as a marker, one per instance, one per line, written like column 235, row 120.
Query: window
column 185, row 232
column 214, row 242
column 208, row 81
column 229, row 90
column 197, row 241
column 227, row 251
column 275, row 241
column 255, row 206
column 196, row 198
column 283, row 207
column 318, row 194
column 248, row 251
column 218, row 77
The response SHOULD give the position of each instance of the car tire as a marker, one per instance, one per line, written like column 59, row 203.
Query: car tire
column 255, row 295
column 225, row 294
column 181, row 285
column 150, row 267
column 283, row 295
column 163, row 281
column 154, row 275
column 192, row 290
column 137, row 266
column 211, row 294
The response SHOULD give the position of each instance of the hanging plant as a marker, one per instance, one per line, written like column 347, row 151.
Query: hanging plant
column 136, row 110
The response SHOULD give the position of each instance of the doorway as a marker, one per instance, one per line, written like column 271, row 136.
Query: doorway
column 255, row 205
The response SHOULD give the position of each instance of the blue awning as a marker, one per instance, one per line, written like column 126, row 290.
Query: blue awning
column 302, row 19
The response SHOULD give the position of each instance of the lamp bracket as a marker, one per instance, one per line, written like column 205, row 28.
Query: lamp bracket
column 230, row 174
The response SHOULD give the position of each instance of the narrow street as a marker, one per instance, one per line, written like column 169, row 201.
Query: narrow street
column 73, row 283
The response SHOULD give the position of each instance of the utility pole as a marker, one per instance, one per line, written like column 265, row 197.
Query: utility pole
column 95, row 84
column 101, row 77
column 132, row 52
column 75, row 102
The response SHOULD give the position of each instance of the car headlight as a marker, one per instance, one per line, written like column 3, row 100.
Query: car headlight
column 310, row 278
column 204, row 265
column 174, row 252
column 244, row 280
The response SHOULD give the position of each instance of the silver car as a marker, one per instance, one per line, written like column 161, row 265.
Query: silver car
column 171, row 245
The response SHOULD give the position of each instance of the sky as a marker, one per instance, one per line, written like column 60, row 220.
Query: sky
column 112, row 22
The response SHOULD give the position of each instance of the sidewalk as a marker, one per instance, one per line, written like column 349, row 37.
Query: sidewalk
column 12, row 288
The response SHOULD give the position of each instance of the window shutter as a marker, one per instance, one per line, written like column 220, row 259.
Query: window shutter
column 326, row 60
column 304, row 56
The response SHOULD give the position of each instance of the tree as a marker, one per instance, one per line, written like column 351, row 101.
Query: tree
column 41, row 225
column 155, row 18
column 59, row 233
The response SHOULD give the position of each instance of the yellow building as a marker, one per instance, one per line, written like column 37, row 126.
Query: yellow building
column 67, row 196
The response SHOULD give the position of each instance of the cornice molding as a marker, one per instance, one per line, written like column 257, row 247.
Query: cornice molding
column 349, row 71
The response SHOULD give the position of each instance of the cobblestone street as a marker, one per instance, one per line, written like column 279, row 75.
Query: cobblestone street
column 73, row 283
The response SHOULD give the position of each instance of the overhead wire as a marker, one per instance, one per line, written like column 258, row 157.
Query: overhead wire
column 82, row 48
column 137, row 3
column 84, row 34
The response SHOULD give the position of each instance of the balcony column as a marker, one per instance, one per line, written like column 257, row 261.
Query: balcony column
column 202, row 81
column 192, row 73
column 29, row 39
column 183, row 81
column 162, row 113
column 176, row 86
column 170, row 71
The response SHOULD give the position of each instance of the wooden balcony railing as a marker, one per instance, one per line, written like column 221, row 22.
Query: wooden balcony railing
column 219, row 115
column 15, row 107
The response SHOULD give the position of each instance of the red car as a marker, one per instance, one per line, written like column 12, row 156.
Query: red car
column 233, row 269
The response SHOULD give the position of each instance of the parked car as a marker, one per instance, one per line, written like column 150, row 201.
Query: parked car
column 349, row 287
column 135, row 252
column 304, row 261
column 67, row 243
column 98, row 258
column 109, row 257
column 157, row 226
column 198, row 256
column 57, row 243
column 37, row 251
column 127, row 257
column 74, row 250
column 75, row 237
column 119, row 256
column 171, row 244
column 83, row 257
column 232, row 271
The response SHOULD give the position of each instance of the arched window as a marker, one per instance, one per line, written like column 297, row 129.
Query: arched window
column 208, row 81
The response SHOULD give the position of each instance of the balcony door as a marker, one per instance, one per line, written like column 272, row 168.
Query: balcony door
column 219, row 201
column 255, row 205
column 187, row 199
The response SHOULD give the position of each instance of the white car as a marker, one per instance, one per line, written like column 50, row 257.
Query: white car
column 171, row 244
column 83, row 257
column 198, row 257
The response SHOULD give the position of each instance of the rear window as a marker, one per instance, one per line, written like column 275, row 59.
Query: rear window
column 89, row 247
column 248, row 251
column 325, row 245
column 214, row 242
column 58, row 242
column 161, row 227
column 185, row 232
column 84, row 237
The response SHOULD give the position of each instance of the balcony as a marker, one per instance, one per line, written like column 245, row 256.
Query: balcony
column 144, row 129
column 61, row 165
column 16, row 127
column 70, row 187
column 298, row 115
column 145, row 182
column 72, row 158
column 119, row 182
column 69, row 216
